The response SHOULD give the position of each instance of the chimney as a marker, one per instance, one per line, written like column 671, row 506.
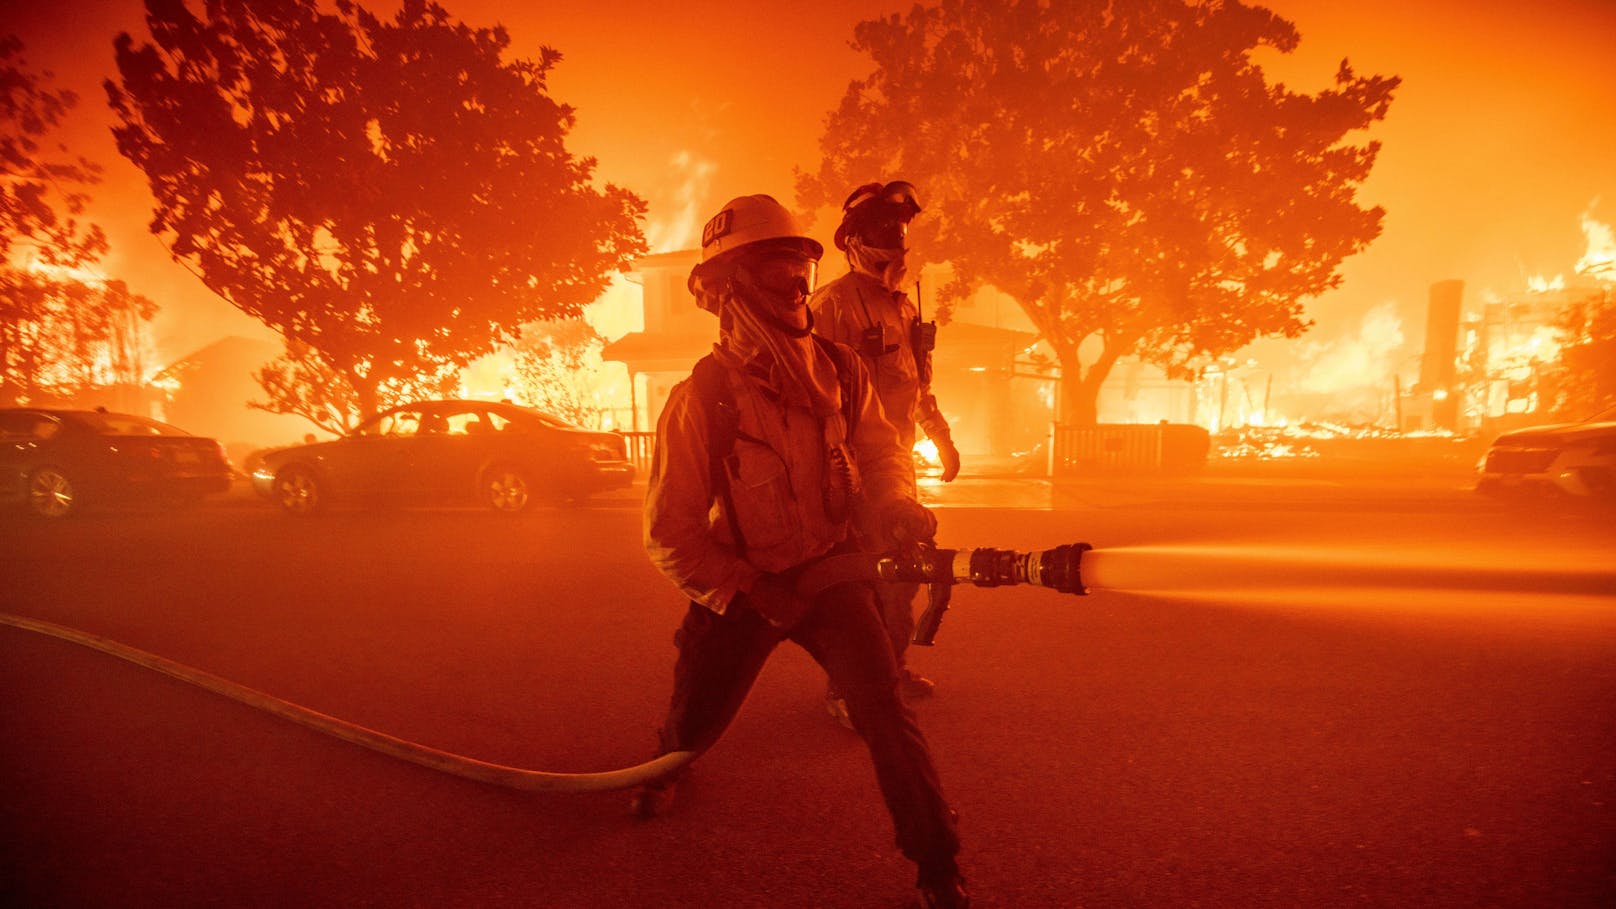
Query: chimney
column 1439, row 366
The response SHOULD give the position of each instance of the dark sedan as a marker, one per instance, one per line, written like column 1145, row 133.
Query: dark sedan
column 498, row 455
column 56, row 461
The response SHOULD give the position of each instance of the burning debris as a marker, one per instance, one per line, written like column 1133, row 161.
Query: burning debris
column 1310, row 440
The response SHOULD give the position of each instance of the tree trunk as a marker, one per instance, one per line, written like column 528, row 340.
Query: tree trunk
column 1080, row 404
column 365, row 393
column 1080, row 391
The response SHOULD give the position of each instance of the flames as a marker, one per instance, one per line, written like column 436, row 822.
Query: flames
column 1364, row 360
column 927, row 464
column 593, row 393
column 1597, row 267
column 1350, row 379
column 1599, row 262
column 681, row 227
column 1346, row 386
column 78, row 351
column 1517, row 336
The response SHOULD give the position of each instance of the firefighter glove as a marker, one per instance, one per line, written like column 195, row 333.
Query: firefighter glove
column 907, row 521
column 948, row 455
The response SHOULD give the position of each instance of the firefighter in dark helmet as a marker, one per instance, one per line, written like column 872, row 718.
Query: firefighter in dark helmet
column 868, row 310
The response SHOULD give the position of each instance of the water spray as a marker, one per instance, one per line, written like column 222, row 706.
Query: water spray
column 1242, row 569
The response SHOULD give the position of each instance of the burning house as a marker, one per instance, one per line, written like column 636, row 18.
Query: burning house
column 207, row 390
column 997, row 396
column 1508, row 348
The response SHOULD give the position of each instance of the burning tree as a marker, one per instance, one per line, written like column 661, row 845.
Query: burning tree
column 554, row 363
column 1123, row 170
column 59, row 335
column 1582, row 381
column 393, row 197
column 60, row 338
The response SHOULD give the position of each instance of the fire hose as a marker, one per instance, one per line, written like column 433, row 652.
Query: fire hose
column 1058, row 569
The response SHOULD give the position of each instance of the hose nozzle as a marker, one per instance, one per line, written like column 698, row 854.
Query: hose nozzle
column 1059, row 568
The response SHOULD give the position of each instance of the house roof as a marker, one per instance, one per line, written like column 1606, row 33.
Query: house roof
column 655, row 352
column 233, row 352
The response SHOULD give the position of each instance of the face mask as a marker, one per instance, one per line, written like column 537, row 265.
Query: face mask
column 889, row 266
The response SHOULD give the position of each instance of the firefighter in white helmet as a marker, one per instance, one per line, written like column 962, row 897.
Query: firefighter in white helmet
column 764, row 459
column 868, row 310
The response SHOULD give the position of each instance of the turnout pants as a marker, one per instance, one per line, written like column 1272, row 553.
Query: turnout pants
column 897, row 602
column 720, row 657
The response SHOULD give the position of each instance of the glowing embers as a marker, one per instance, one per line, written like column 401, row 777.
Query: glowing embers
column 927, row 464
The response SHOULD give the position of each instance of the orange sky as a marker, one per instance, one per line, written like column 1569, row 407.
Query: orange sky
column 1502, row 135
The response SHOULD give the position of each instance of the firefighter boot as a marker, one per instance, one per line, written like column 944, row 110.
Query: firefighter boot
column 913, row 685
column 943, row 891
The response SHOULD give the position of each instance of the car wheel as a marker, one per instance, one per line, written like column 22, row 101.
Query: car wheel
column 298, row 491
column 506, row 488
column 51, row 493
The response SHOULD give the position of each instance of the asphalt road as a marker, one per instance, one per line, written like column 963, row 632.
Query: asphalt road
column 1290, row 692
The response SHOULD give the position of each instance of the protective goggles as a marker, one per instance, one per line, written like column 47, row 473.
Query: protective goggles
column 783, row 272
column 899, row 194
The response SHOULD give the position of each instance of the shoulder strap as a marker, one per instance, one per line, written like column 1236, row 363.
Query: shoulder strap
column 723, row 420
column 846, row 376
column 723, row 425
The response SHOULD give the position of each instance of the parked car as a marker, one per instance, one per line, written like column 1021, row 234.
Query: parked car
column 495, row 454
column 57, row 461
column 1574, row 459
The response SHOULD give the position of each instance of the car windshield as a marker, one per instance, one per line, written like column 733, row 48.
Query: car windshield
column 123, row 424
column 524, row 415
column 1608, row 415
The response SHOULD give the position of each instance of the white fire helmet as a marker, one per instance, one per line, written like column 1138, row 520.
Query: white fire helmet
column 741, row 223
